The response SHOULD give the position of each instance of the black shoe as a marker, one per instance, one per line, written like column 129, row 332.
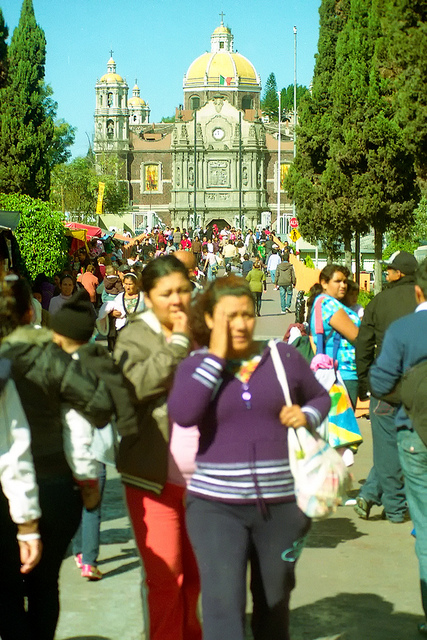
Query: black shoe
column 363, row 507
column 422, row 628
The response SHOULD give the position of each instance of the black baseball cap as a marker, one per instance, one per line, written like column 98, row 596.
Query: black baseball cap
column 402, row 261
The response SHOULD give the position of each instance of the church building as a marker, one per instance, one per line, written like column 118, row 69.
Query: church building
column 218, row 162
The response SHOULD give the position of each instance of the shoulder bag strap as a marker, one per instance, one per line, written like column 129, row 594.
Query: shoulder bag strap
column 280, row 371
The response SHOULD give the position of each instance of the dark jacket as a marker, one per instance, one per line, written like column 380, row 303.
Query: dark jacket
column 96, row 358
column 285, row 275
column 47, row 378
column 397, row 300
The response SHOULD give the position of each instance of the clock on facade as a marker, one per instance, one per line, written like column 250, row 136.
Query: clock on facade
column 218, row 134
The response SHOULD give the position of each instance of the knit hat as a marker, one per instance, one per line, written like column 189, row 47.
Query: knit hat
column 76, row 318
column 402, row 261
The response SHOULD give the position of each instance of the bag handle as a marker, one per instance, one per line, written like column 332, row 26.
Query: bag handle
column 280, row 371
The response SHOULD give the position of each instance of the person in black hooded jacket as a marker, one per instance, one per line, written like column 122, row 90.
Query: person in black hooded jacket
column 46, row 377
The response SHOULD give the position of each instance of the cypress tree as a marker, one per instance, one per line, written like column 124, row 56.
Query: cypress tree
column 404, row 23
column 3, row 50
column 305, row 181
column 26, row 130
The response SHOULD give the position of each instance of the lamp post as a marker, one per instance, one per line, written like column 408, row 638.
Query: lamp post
column 279, row 139
column 195, row 168
column 295, row 117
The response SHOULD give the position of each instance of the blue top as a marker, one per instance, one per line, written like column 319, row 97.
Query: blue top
column 346, row 355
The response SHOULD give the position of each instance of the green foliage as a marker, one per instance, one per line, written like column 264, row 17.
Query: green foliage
column 365, row 297
column 270, row 100
column 75, row 186
column 308, row 261
column 287, row 97
column 4, row 31
column 40, row 235
column 352, row 170
column 396, row 244
column 420, row 227
column 404, row 23
column 26, row 130
column 168, row 119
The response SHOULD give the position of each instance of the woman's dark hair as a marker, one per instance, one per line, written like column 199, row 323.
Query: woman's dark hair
column 205, row 303
column 15, row 301
column 325, row 275
column 159, row 268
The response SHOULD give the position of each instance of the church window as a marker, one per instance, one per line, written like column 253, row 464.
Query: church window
column 100, row 99
column 246, row 103
column 221, row 45
column 110, row 99
column 194, row 102
column 110, row 129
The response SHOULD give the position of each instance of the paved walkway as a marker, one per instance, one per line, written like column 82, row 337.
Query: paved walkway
column 356, row 579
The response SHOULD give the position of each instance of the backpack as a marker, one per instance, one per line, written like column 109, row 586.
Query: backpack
column 413, row 395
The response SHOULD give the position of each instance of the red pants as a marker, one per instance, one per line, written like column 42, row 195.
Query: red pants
column 171, row 570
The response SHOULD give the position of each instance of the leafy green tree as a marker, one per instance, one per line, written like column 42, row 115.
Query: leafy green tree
column 26, row 131
column 40, row 235
column 270, row 99
column 4, row 32
column 168, row 119
column 75, row 186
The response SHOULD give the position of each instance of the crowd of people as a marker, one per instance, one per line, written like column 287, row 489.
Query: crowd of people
column 185, row 402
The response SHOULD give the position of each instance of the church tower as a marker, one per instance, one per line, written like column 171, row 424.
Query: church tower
column 111, row 112
column 139, row 110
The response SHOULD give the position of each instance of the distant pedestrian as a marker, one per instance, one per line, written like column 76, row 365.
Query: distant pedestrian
column 256, row 279
column 285, row 279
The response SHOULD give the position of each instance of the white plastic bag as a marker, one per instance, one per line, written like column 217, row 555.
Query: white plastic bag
column 320, row 475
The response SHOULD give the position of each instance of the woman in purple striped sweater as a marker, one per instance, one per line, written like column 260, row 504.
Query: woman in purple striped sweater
column 241, row 501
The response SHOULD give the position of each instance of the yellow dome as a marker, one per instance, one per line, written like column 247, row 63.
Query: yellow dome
column 136, row 102
column 111, row 78
column 222, row 29
column 209, row 67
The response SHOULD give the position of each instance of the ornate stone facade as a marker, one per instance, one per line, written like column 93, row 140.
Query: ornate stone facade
column 216, row 162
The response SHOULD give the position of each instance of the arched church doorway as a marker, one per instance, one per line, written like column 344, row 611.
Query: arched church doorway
column 220, row 223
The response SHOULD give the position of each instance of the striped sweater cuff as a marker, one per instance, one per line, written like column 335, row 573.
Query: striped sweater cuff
column 181, row 340
column 314, row 418
column 208, row 372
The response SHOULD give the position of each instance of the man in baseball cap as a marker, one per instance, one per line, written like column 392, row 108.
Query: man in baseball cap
column 402, row 263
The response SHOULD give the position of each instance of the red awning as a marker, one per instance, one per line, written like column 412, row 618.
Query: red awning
column 91, row 232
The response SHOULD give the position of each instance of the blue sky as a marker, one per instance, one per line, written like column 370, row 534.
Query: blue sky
column 155, row 41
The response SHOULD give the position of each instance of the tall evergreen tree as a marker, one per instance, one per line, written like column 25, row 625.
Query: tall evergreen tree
column 26, row 129
column 4, row 32
column 404, row 23
column 270, row 100
column 305, row 178
column 287, row 97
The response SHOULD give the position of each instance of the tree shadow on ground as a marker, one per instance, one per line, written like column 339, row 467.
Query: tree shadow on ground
column 332, row 532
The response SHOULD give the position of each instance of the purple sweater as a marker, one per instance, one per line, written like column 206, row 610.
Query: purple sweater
column 243, row 451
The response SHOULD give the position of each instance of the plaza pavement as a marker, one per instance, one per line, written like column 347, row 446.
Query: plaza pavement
column 356, row 579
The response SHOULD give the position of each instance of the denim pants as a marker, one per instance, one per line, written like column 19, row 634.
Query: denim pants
column 286, row 296
column 413, row 458
column 86, row 540
column 384, row 484
column 224, row 537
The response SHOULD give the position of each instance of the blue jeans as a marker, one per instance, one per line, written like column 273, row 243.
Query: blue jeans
column 224, row 536
column 86, row 540
column 384, row 484
column 273, row 275
column 286, row 296
column 413, row 458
